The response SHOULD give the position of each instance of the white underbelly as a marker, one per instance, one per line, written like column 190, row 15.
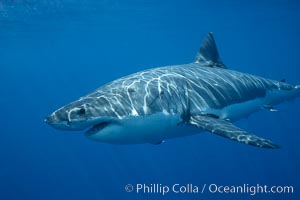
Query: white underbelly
column 145, row 129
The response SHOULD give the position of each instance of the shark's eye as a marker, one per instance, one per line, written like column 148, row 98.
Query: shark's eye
column 81, row 111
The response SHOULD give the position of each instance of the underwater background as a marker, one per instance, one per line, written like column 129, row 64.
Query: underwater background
column 53, row 52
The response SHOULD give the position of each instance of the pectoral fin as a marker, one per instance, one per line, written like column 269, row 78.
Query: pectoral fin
column 228, row 130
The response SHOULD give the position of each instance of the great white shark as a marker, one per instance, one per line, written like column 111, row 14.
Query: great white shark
column 175, row 101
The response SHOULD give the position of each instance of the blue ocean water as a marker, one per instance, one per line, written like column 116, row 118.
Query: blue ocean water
column 52, row 52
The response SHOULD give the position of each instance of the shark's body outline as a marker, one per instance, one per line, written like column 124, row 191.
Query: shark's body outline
column 173, row 101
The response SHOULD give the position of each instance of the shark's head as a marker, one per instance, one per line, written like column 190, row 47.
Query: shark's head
column 80, row 115
column 98, row 119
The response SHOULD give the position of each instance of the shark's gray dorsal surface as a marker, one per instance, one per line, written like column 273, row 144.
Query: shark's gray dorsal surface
column 175, row 101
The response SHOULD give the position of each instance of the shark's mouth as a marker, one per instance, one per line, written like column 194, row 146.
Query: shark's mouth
column 96, row 128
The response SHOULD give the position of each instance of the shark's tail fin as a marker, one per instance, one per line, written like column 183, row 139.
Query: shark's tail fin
column 208, row 53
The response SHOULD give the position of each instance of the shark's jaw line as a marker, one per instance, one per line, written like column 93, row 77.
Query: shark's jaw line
column 175, row 101
column 97, row 128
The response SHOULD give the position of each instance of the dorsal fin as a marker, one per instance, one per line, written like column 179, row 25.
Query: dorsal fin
column 208, row 53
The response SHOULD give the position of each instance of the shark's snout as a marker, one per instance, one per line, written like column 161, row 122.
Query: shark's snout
column 72, row 119
column 57, row 121
column 57, row 117
column 50, row 119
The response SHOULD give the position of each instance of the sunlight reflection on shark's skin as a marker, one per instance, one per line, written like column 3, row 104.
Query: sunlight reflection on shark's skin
column 175, row 101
